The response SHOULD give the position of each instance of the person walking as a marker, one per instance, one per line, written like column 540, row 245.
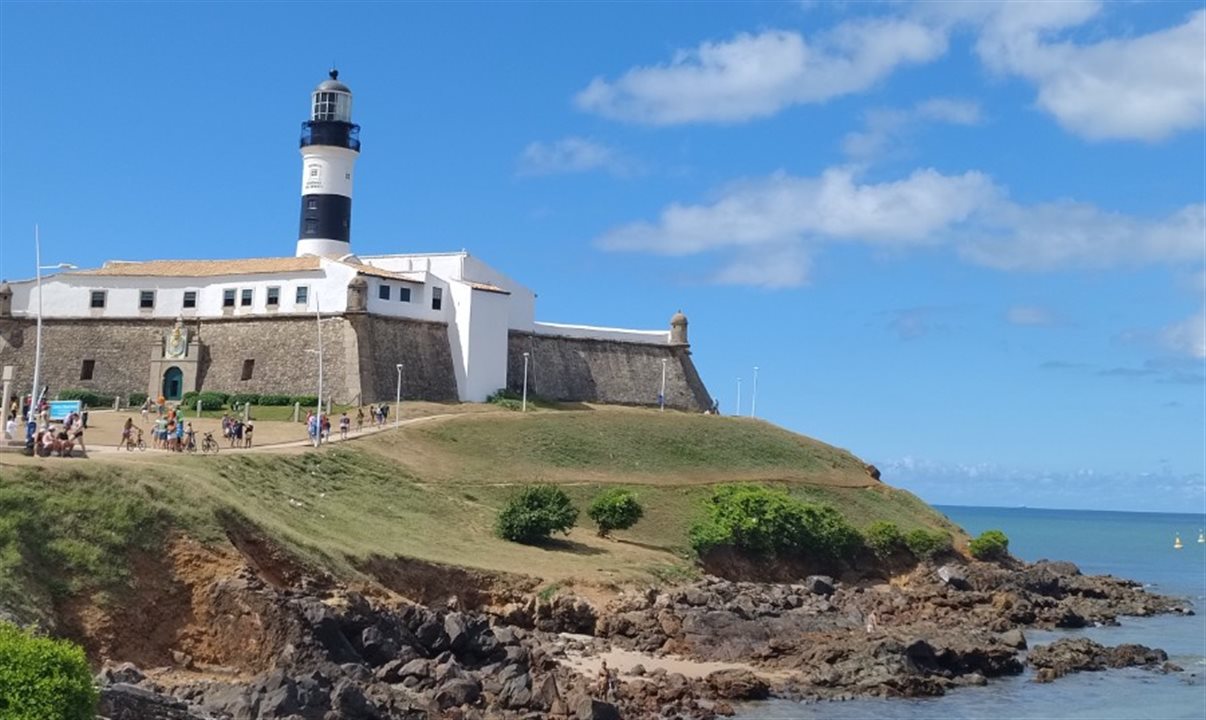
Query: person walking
column 345, row 423
column 359, row 419
column 247, row 430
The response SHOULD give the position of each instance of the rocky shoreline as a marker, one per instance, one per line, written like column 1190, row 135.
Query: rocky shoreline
column 684, row 652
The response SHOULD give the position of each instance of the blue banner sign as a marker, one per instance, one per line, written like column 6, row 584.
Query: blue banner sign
column 60, row 409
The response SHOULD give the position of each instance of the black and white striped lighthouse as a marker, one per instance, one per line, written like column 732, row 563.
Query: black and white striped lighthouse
column 330, row 144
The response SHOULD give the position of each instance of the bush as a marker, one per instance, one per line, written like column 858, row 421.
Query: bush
column 88, row 397
column 991, row 545
column 240, row 399
column 535, row 513
column 136, row 399
column 925, row 544
column 43, row 679
column 884, row 538
column 768, row 521
column 210, row 400
column 276, row 400
column 615, row 509
column 305, row 400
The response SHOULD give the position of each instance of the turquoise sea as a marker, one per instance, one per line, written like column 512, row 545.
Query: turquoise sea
column 1138, row 546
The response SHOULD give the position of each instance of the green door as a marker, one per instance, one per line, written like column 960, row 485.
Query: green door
column 173, row 384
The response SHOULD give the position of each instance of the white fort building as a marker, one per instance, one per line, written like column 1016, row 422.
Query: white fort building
column 232, row 325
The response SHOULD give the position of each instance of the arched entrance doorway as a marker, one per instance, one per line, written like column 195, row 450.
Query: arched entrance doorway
column 173, row 384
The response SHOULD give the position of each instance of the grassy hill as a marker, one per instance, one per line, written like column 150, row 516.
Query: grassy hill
column 428, row 491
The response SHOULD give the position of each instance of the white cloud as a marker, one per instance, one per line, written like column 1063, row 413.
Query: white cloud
column 571, row 155
column 754, row 76
column 882, row 127
column 1188, row 336
column 967, row 212
column 1147, row 87
column 1031, row 315
column 779, row 268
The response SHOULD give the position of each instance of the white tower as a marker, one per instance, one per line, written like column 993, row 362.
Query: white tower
column 330, row 144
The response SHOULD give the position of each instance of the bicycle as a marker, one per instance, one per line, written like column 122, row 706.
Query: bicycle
column 209, row 445
column 136, row 442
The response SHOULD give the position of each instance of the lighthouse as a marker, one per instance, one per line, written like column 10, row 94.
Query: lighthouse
column 330, row 144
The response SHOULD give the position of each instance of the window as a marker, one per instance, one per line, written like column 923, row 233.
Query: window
column 190, row 298
column 313, row 171
column 245, row 300
column 404, row 294
column 437, row 298
column 86, row 369
column 274, row 296
column 303, row 295
column 383, row 291
column 98, row 299
column 228, row 297
column 311, row 226
column 311, row 203
column 248, row 369
column 146, row 299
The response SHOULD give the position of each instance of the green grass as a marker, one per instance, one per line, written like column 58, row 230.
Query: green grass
column 429, row 492
column 638, row 442
column 271, row 412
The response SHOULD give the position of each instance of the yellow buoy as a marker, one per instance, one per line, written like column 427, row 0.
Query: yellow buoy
column 1177, row 543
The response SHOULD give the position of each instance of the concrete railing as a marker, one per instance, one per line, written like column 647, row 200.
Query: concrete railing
column 589, row 332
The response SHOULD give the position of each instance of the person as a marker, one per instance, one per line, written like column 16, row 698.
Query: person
column 179, row 435
column 326, row 427
column 126, row 430
column 872, row 622
column 236, row 434
column 344, row 423
column 84, row 418
column 312, row 426
column 384, row 414
column 146, row 409
column 607, row 681
column 359, row 419
column 159, row 438
column 77, row 437
column 247, row 429
column 190, row 437
column 10, row 426
column 169, row 435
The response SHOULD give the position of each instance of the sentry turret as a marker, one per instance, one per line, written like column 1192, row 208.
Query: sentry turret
column 330, row 144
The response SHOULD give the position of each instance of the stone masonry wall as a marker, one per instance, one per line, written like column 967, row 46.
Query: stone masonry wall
column 423, row 349
column 604, row 371
column 123, row 351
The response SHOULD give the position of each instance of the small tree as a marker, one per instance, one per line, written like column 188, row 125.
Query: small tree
column 615, row 509
column 884, row 538
column 43, row 679
column 535, row 513
column 991, row 545
column 925, row 544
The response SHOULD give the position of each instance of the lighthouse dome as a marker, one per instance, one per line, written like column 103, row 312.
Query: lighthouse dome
column 333, row 84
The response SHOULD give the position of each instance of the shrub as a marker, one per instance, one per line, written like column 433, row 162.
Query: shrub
column 535, row 513
column 210, row 400
column 88, row 397
column 276, row 400
column 925, row 544
column 43, row 679
column 240, row 399
column 508, row 399
column 615, row 509
column 136, row 399
column 768, row 521
column 305, row 400
column 884, row 538
column 991, row 545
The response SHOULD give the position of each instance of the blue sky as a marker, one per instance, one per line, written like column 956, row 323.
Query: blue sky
column 964, row 241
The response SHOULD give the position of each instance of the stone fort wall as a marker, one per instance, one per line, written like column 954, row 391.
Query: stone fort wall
column 604, row 371
column 359, row 355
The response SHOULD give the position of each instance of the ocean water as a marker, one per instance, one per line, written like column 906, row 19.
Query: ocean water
column 1138, row 546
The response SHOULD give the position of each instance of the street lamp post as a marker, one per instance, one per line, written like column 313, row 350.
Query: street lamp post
column 754, row 399
column 661, row 397
column 398, row 398
column 525, row 383
column 737, row 410
column 34, row 397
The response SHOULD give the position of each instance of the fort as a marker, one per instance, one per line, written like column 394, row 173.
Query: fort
column 439, row 326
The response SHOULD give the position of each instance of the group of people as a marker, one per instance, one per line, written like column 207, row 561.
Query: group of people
column 237, row 431
column 61, row 439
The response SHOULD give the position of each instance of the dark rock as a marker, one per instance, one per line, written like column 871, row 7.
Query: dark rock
column 126, row 673
column 954, row 576
column 819, row 584
column 457, row 692
column 421, row 668
column 1014, row 639
column 457, row 631
column 1076, row 654
column 585, row 707
column 121, row 701
column 737, row 685
column 378, row 648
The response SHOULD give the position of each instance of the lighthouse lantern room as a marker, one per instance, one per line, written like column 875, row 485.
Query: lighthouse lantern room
column 330, row 144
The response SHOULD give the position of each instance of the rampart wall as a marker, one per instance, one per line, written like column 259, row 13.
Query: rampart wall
column 422, row 348
column 604, row 371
